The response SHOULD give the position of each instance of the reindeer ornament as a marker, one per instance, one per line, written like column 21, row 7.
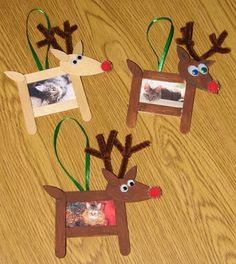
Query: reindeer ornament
column 193, row 73
column 73, row 67
column 121, row 188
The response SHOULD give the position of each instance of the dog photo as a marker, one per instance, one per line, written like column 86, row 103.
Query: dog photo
column 54, row 90
column 162, row 93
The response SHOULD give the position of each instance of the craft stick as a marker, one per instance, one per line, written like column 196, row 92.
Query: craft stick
column 85, row 231
column 81, row 97
column 132, row 113
column 60, row 240
column 160, row 109
column 25, row 100
column 122, row 228
column 186, row 118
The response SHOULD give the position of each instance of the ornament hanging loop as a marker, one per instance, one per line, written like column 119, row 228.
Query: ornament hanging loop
column 160, row 62
column 35, row 56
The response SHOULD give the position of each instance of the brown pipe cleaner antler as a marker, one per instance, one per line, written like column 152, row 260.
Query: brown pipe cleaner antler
column 127, row 150
column 187, row 34
column 106, row 148
column 67, row 35
column 50, row 36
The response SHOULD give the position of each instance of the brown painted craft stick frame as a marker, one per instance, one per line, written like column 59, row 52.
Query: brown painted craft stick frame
column 63, row 232
column 192, row 70
column 135, row 105
column 75, row 65
column 185, row 113
column 121, row 188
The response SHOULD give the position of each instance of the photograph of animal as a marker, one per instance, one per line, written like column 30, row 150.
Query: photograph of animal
column 160, row 92
column 94, row 215
column 121, row 188
column 51, row 91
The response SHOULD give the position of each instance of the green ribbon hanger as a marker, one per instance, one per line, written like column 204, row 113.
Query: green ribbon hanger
column 35, row 56
column 160, row 62
column 87, row 156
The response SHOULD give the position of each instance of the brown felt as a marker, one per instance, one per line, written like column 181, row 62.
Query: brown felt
column 186, row 40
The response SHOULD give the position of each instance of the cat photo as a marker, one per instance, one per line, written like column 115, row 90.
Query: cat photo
column 162, row 93
column 96, row 213
column 93, row 215
column 51, row 91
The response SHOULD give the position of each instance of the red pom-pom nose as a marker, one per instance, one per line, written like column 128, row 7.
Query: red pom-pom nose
column 154, row 192
column 213, row 87
column 106, row 66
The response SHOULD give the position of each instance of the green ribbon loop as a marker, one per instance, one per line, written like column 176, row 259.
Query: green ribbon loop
column 160, row 62
column 35, row 56
column 87, row 156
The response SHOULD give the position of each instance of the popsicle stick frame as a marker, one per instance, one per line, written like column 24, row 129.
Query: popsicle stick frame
column 173, row 93
column 155, row 92
column 57, row 89
column 102, row 212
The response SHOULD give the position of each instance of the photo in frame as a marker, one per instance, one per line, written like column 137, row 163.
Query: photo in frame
column 57, row 89
column 92, row 213
column 155, row 92
column 163, row 93
column 174, row 93
column 50, row 91
column 86, row 213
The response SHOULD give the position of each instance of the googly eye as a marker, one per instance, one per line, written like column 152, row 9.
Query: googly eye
column 203, row 68
column 193, row 70
column 124, row 188
column 79, row 57
column 130, row 183
column 74, row 61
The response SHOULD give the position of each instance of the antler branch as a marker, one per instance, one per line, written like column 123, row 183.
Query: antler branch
column 127, row 151
column 105, row 149
column 50, row 36
column 187, row 34
column 67, row 35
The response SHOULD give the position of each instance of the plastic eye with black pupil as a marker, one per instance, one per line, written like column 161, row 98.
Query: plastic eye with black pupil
column 79, row 57
column 130, row 183
column 74, row 61
column 124, row 188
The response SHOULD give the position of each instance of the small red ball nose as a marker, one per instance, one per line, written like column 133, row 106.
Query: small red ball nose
column 154, row 192
column 213, row 87
column 106, row 66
